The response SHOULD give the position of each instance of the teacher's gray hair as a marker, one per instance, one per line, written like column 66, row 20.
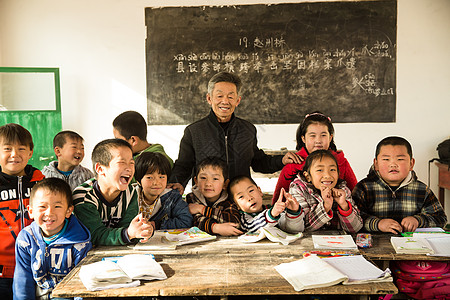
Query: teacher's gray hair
column 224, row 77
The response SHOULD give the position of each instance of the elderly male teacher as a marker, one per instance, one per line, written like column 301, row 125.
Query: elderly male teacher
column 222, row 134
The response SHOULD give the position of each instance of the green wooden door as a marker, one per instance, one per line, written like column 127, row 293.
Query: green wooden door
column 31, row 97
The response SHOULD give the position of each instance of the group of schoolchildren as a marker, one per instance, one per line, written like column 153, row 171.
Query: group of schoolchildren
column 129, row 198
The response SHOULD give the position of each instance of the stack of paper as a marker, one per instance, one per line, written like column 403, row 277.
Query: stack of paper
column 411, row 245
column 313, row 272
column 342, row 242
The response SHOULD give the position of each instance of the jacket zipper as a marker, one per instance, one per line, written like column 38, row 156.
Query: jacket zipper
column 226, row 146
column 21, row 205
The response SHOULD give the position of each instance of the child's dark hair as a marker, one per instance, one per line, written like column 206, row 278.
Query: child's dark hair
column 14, row 133
column 394, row 141
column 102, row 151
column 236, row 180
column 312, row 118
column 214, row 162
column 54, row 185
column 149, row 162
column 317, row 155
column 60, row 138
column 131, row 123
column 224, row 77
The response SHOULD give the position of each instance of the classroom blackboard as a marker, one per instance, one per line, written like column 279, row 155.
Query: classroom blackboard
column 336, row 57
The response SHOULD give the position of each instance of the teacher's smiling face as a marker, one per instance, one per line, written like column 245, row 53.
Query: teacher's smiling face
column 223, row 100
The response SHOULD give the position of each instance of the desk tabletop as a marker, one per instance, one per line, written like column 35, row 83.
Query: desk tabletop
column 222, row 267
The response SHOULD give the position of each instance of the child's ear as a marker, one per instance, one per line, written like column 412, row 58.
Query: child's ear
column 375, row 164
column 99, row 169
column 413, row 161
column 30, row 211
column 57, row 151
column 225, row 184
column 195, row 180
column 69, row 212
column 133, row 140
column 307, row 177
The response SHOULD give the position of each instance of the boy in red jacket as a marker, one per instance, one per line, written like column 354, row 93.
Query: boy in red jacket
column 16, row 180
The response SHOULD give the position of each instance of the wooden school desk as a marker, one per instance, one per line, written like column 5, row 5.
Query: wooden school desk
column 222, row 267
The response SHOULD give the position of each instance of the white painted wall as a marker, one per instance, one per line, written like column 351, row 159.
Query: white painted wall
column 99, row 47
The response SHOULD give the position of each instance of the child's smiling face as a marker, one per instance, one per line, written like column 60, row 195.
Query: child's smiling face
column 14, row 158
column 317, row 137
column 247, row 196
column 323, row 173
column 71, row 153
column 210, row 182
column 118, row 175
column 153, row 185
column 393, row 163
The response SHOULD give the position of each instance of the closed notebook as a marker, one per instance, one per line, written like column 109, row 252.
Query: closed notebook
column 411, row 245
column 342, row 242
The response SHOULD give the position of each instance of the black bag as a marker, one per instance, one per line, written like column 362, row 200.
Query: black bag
column 444, row 152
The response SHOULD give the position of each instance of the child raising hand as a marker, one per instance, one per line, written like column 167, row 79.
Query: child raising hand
column 324, row 197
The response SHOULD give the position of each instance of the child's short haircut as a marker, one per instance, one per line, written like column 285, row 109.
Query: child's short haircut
column 60, row 138
column 14, row 133
column 149, row 162
column 318, row 155
column 224, row 77
column 102, row 151
column 54, row 185
column 131, row 123
column 236, row 180
column 394, row 141
column 214, row 162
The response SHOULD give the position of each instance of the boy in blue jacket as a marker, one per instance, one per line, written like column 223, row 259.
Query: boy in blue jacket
column 49, row 248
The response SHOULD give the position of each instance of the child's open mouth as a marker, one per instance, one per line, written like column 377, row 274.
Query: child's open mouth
column 125, row 179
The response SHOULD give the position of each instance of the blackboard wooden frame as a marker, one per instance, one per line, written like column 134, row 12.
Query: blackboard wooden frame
column 336, row 57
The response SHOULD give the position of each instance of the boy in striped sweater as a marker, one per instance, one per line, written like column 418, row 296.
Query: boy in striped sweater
column 286, row 211
column 107, row 205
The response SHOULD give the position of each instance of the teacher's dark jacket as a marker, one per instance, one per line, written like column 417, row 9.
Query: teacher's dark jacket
column 237, row 145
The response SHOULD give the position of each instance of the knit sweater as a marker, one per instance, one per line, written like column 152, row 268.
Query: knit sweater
column 223, row 210
column 378, row 201
column 288, row 221
column 107, row 221
column 316, row 217
column 14, row 196
column 42, row 265
column 290, row 171
column 79, row 174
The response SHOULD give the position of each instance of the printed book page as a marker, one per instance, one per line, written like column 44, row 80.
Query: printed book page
column 440, row 245
column 274, row 234
column 353, row 266
column 310, row 272
column 334, row 242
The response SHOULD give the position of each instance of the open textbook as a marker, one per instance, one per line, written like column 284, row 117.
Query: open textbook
column 123, row 272
column 274, row 234
column 314, row 272
column 170, row 239
column 341, row 242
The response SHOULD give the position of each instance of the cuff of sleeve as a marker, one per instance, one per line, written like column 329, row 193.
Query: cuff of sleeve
column 346, row 213
column 294, row 214
column 272, row 219
column 125, row 238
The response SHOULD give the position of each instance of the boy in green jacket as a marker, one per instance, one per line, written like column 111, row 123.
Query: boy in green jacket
column 107, row 205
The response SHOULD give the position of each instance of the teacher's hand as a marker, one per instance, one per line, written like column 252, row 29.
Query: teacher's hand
column 292, row 158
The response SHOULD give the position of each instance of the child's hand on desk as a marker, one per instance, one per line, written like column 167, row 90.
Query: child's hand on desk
column 140, row 228
column 226, row 229
column 195, row 208
column 339, row 197
column 390, row 225
column 327, row 198
column 410, row 224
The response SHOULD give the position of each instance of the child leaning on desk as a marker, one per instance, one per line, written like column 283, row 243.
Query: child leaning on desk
column 107, row 205
column 213, row 211
column 163, row 208
column 286, row 212
column 391, row 198
column 49, row 248
column 323, row 196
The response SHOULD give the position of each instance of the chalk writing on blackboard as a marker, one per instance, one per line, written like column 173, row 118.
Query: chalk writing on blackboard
column 337, row 57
